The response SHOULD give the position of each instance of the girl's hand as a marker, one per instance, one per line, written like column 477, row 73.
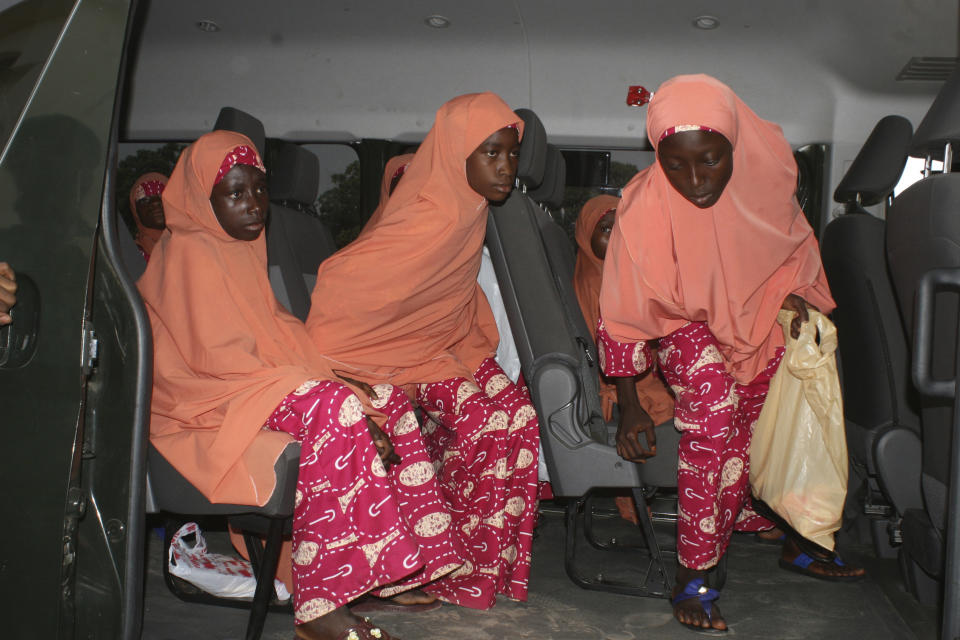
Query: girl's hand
column 363, row 386
column 798, row 305
column 382, row 442
column 633, row 421
column 8, row 291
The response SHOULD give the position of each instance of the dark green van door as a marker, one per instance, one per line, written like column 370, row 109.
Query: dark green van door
column 73, row 372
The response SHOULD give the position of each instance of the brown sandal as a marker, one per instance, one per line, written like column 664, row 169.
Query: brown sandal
column 364, row 630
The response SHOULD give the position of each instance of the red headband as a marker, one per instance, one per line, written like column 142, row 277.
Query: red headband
column 681, row 128
column 148, row 189
column 240, row 155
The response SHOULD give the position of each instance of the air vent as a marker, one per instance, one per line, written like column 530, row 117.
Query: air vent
column 928, row 69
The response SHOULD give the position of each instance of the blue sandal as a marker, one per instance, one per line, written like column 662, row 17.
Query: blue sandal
column 801, row 564
column 697, row 589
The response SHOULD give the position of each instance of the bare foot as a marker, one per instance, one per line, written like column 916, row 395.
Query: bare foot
column 337, row 624
column 690, row 612
column 413, row 597
column 771, row 535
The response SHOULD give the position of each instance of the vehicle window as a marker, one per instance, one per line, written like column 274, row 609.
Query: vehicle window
column 339, row 204
column 28, row 31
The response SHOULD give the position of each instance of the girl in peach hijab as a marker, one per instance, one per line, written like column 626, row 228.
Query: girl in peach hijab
column 146, row 206
column 236, row 376
column 592, row 234
column 709, row 244
column 401, row 304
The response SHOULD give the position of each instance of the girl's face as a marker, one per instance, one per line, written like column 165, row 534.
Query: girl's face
column 698, row 164
column 240, row 202
column 150, row 212
column 492, row 167
column 601, row 234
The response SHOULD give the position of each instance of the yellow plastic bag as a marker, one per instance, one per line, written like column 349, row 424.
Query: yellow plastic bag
column 798, row 454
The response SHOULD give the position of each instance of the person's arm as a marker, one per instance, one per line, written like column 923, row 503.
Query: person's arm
column 634, row 420
column 625, row 362
column 8, row 292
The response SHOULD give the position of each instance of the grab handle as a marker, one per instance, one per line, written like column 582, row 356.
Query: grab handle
column 930, row 283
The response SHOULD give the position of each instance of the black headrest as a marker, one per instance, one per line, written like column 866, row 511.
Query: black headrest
column 551, row 190
column 942, row 122
column 877, row 168
column 231, row 119
column 533, row 150
column 293, row 174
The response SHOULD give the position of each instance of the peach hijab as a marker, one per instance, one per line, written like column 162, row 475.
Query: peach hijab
column 225, row 352
column 732, row 265
column 148, row 184
column 401, row 303
column 395, row 168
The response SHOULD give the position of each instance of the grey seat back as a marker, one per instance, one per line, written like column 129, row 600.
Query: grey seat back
column 874, row 350
column 297, row 241
column 923, row 233
column 556, row 351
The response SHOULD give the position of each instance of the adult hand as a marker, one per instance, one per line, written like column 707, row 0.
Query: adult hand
column 799, row 306
column 8, row 292
column 382, row 442
column 633, row 421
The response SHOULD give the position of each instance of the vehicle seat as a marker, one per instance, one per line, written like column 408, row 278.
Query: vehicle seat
column 559, row 361
column 883, row 428
column 231, row 119
column 297, row 241
column 923, row 233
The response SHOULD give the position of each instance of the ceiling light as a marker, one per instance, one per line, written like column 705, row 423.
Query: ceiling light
column 706, row 22
column 437, row 22
column 208, row 26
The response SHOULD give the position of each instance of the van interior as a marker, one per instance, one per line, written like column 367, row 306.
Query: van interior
column 867, row 93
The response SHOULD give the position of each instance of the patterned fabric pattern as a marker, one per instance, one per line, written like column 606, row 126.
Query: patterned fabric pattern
column 482, row 436
column 715, row 416
column 356, row 526
column 240, row 155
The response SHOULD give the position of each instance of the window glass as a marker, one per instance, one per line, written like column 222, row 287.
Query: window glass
column 28, row 31
column 339, row 204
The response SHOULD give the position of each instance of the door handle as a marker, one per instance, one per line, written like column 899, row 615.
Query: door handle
column 18, row 340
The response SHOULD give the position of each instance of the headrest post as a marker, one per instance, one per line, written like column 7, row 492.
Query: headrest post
column 947, row 157
column 859, row 200
column 926, row 167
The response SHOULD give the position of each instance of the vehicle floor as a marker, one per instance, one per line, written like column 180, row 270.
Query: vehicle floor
column 759, row 600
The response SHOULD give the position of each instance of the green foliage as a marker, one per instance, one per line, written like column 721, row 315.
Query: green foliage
column 575, row 197
column 339, row 206
column 161, row 160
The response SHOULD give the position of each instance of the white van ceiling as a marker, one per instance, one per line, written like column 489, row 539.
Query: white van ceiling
column 337, row 70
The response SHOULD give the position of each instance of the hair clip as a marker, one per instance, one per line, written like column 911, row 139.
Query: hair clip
column 637, row 96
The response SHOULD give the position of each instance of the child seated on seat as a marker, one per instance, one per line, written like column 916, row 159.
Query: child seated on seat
column 643, row 400
column 235, row 375
column 405, row 308
column 146, row 207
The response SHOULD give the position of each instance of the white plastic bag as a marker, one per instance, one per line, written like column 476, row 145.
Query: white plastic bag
column 217, row 574
column 798, row 453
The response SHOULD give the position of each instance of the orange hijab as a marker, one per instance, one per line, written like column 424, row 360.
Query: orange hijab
column 225, row 351
column 395, row 165
column 147, row 184
column 401, row 303
column 732, row 265
column 587, row 276
column 588, row 272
